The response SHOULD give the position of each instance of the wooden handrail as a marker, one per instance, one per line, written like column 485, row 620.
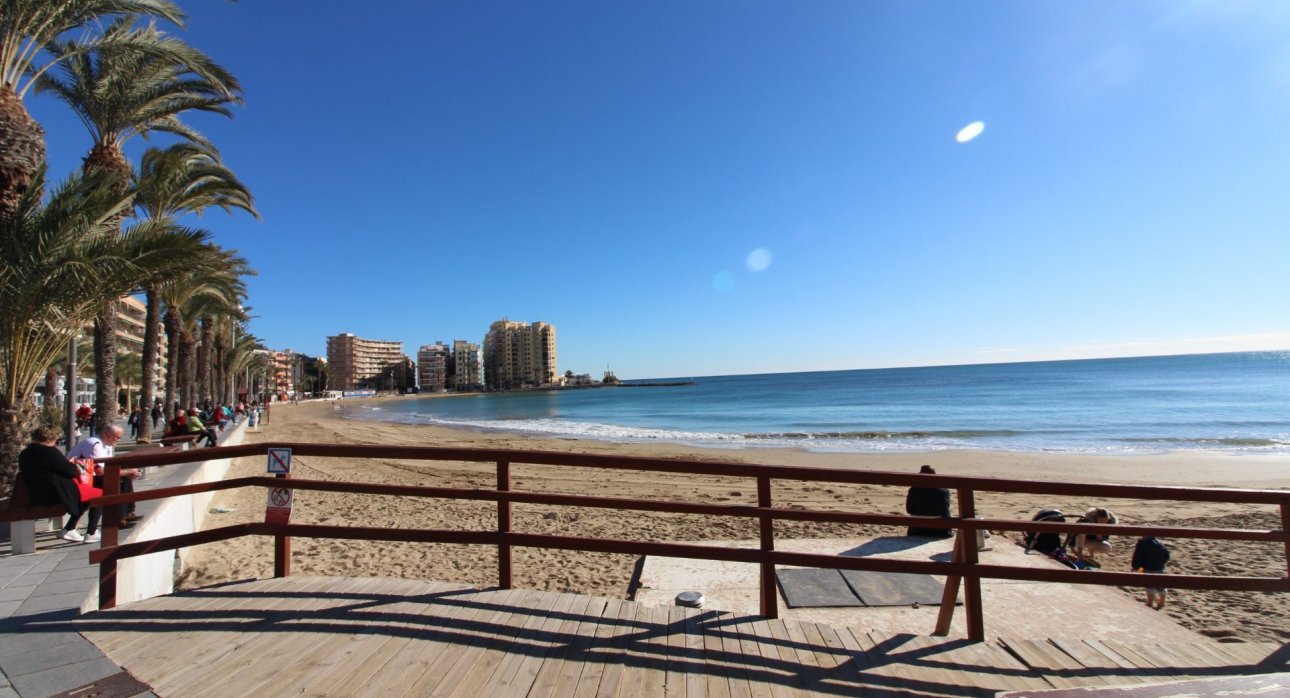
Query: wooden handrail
column 964, row 568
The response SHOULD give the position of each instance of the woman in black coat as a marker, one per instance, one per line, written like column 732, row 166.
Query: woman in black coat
column 928, row 501
column 50, row 480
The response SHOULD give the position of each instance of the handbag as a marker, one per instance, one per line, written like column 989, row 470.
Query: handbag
column 85, row 480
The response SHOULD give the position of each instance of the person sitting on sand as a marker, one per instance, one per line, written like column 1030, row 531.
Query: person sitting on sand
column 928, row 501
column 1088, row 545
column 1150, row 556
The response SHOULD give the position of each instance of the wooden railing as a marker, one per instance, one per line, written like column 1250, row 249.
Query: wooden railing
column 965, row 569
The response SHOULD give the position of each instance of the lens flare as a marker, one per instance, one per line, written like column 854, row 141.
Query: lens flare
column 970, row 131
column 759, row 259
column 723, row 282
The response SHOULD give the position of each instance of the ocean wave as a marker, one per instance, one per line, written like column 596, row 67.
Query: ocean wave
column 555, row 427
column 879, row 435
column 1218, row 441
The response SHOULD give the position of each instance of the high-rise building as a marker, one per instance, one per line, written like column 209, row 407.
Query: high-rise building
column 468, row 365
column 282, row 377
column 131, row 314
column 352, row 360
column 519, row 355
column 432, row 367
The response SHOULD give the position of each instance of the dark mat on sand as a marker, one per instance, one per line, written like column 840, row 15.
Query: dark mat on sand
column 815, row 588
column 893, row 589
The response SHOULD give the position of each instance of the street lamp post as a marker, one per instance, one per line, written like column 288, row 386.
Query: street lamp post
column 70, row 403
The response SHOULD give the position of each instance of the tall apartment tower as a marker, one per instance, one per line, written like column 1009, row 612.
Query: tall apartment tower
column 432, row 367
column 519, row 355
column 468, row 365
column 352, row 360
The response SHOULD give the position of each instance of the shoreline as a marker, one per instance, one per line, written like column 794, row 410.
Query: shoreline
column 825, row 445
column 1229, row 614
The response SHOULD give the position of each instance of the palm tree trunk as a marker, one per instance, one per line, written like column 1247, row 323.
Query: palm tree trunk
column 105, row 404
column 186, row 346
column 173, row 325
column 221, row 373
column 16, row 423
column 23, row 151
column 151, row 338
column 204, row 356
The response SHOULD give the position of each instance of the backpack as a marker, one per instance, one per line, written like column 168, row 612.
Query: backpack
column 1045, row 542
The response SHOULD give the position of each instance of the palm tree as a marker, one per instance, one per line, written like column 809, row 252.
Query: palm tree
column 183, row 178
column 27, row 29
column 135, row 81
column 61, row 260
column 214, row 283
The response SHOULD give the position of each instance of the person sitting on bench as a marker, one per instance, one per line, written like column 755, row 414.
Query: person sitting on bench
column 51, row 479
column 928, row 501
column 96, row 448
column 195, row 426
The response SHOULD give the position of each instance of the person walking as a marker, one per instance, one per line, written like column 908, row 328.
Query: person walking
column 156, row 415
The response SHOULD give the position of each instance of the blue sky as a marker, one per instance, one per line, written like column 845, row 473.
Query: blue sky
column 425, row 169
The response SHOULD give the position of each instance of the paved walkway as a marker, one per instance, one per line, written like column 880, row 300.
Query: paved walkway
column 40, row 654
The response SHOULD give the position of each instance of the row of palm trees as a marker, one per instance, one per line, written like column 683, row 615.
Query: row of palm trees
column 70, row 250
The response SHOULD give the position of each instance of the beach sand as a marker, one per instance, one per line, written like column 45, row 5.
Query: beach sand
column 1230, row 615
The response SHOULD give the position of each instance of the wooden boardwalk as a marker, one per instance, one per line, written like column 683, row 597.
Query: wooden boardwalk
column 316, row 636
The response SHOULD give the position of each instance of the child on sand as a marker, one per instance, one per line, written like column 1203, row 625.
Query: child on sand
column 1150, row 556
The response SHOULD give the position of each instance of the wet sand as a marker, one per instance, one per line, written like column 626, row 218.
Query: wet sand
column 1253, row 616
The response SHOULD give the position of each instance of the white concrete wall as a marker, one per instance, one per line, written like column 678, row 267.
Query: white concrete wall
column 152, row 575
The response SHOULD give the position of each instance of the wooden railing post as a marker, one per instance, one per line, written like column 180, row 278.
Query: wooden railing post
column 1285, row 529
column 503, row 526
column 972, row 582
column 769, row 597
column 282, row 546
column 111, row 536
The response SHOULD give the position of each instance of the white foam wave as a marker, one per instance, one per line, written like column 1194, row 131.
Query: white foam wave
column 557, row 427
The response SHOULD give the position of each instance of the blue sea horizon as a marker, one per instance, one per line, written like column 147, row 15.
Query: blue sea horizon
column 1232, row 402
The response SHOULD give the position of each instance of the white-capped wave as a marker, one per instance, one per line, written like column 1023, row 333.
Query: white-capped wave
column 557, row 427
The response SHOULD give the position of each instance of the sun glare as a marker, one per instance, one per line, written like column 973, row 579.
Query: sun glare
column 970, row 131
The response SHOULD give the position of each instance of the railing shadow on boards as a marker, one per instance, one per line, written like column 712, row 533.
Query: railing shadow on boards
column 965, row 569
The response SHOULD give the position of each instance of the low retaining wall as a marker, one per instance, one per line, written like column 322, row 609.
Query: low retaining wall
column 152, row 575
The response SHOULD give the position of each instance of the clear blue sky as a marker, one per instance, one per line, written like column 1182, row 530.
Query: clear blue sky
column 427, row 168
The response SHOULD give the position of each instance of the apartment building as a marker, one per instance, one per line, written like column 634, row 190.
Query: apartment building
column 353, row 360
column 282, row 373
column 519, row 355
column 432, row 367
column 468, row 365
column 131, row 314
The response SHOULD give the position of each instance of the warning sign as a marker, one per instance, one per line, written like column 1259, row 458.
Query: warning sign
column 278, row 508
column 279, row 461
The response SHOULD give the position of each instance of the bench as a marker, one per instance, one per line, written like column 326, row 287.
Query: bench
column 21, row 516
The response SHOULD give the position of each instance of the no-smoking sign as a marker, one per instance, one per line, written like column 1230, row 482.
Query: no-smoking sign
column 278, row 507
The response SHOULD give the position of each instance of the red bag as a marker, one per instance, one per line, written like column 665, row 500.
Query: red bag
column 85, row 481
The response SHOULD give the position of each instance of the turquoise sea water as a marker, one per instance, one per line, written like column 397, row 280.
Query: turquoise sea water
column 1229, row 402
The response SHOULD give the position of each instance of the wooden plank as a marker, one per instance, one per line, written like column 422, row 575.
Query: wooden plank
column 1154, row 667
column 520, row 627
column 696, row 667
column 372, row 659
column 881, row 653
column 743, row 662
column 563, row 660
column 601, row 641
column 282, row 661
column 998, row 670
column 1093, row 659
column 518, row 678
column 811, row 675
column 716, row 662
column 359, row 648
column 762, row 681
column 789, row 664
column 496, row 628
column 647, row 672
column 675, row 685
column 617, row 650
column 1058, row 668
column 152, row 638
column 224, row 665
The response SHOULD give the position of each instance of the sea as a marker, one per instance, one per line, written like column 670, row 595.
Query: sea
column 1233, row 402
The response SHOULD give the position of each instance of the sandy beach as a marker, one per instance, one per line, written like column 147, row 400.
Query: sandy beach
column 1253, row 616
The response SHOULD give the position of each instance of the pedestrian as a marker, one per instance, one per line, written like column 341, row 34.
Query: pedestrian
column 1150, row 557
column 157, row 414
column 136, row 422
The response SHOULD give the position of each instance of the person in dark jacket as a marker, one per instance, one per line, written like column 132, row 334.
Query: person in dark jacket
column 928, row 501
column 50, row 479
column 1150, row 556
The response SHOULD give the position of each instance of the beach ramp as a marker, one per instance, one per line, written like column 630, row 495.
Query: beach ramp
column 311, row 636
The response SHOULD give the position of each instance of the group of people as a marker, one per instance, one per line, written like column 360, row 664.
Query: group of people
column 204, row 423
column 1079, row 550
column 73, row 479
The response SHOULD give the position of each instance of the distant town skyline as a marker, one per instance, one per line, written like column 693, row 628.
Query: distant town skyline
column 700, row 188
